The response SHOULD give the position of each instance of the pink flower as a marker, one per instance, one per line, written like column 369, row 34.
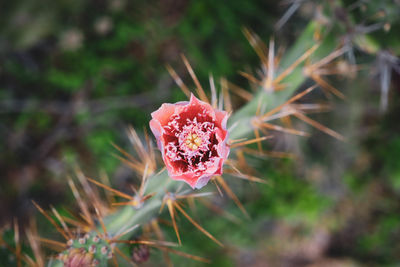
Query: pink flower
column 192, row 137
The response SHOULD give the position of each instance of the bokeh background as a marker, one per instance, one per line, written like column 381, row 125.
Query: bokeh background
column 75, row 74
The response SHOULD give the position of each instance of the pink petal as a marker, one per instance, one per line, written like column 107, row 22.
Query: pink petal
column 163, row 114
column 222, row 118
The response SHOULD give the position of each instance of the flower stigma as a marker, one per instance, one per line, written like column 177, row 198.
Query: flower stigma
column 193, row 141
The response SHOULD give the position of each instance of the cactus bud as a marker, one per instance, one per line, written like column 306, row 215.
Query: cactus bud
column 140, row 253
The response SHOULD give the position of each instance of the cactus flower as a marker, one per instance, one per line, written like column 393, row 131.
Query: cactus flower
column 192, row 137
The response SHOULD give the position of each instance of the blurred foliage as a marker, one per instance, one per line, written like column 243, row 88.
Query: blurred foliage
column 86, row 69
column 74, row 74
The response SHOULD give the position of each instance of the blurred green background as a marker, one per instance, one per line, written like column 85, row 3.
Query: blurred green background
column 75, row 74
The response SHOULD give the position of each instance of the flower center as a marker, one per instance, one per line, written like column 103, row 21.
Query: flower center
column 193, row 141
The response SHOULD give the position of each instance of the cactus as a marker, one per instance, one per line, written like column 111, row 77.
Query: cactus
column 107, row 230
column 162, row 191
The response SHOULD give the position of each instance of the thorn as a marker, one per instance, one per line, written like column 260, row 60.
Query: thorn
column 319, row 126
column 183, row 254
column 221, row 100
column 134, row 165
column 119, row 252
column 126, row 154
column 164, row 201
column 232, row 195
column 128, row 203
column 118, row 193
column 143, row 185
column 257, row 135
column 104, row 179
column 257, row 45
column 31, row 234
column 286, row 16
column 282, row 129
column 213, row 91
column 328, row 58
column 199, row 88
column 156, row 228
column 17, row 243
column 137, row 143
column 148, row 196
column 318, row 79
column 270, row 74
column 287, row 71
column 114, row 258
column 130, row 229
column 158, row 173
column 148, row 242
column 233, row 141
column 217, row 210
column 194, row 195
column 249, row 178
column 178, row 81
column 172, row 214
column 218, row 188
column 63, row 224
column 241, row 159
column 292, row 99
column 276, row 154
column 312, row 108
column 84, row 208
column 197, row 225
column 247, row 96
column 225, row 93
column 250, row 77
column 52, row 242
column 255, row 140
column 51, row 220
column 179, row 188
column 100, row 219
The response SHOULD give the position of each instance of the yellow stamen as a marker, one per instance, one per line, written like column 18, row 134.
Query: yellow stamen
column 193, row 141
